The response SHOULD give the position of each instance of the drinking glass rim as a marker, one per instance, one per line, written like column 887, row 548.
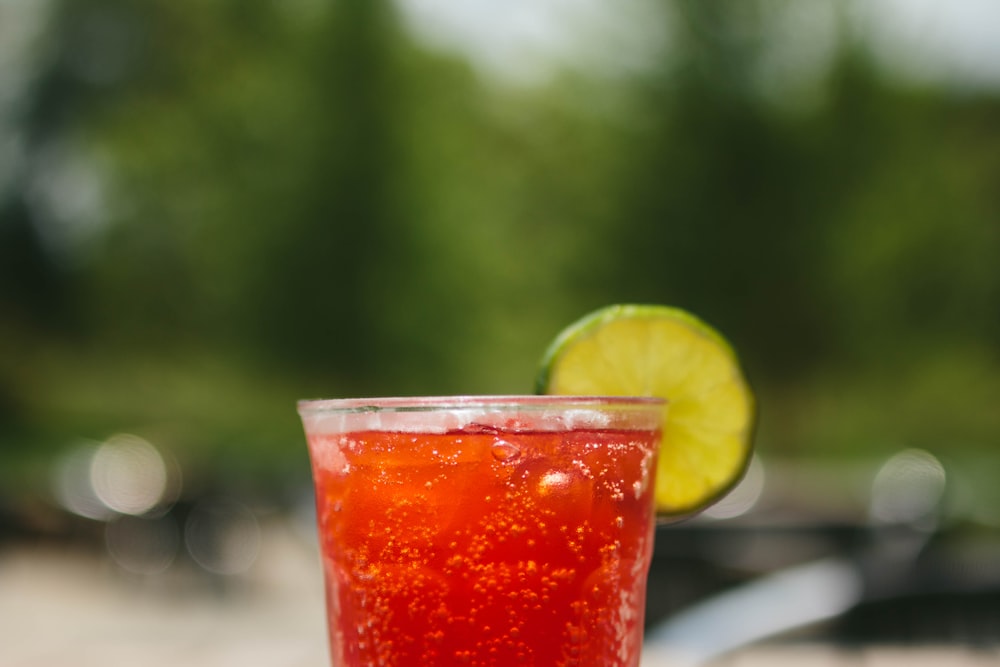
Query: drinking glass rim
column 497, row 402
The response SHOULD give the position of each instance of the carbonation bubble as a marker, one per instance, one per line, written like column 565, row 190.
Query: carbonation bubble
column 505, row 451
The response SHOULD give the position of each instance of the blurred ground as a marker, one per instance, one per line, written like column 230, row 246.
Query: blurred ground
column 67, row 608
column 63, row 607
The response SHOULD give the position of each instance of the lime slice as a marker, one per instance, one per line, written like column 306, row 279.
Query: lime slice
column 647, row 350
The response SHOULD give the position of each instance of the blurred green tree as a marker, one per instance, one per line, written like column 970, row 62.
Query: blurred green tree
column 297, row 199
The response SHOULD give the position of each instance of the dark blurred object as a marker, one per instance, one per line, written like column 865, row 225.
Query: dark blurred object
column 909, row 569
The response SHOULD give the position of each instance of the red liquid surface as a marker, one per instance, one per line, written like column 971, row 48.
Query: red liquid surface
column 486, row 548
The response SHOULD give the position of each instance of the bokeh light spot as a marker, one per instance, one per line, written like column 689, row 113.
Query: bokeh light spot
column 71, row 483
column 142, row 545
column 743, row 497
column 222, row 536
column 908, row 487
column 129, row 475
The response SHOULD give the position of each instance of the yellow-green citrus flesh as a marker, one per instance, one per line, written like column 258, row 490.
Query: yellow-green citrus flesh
column 666, row 352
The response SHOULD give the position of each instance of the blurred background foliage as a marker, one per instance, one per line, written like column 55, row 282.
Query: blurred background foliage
column 211, row 209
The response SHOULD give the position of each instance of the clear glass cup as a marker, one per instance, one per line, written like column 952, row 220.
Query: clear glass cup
column 490, row 530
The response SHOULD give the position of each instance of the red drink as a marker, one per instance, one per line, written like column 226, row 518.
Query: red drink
column 502, row 531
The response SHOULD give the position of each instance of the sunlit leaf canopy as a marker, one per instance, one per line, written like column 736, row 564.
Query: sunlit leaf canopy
column 211, row 209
